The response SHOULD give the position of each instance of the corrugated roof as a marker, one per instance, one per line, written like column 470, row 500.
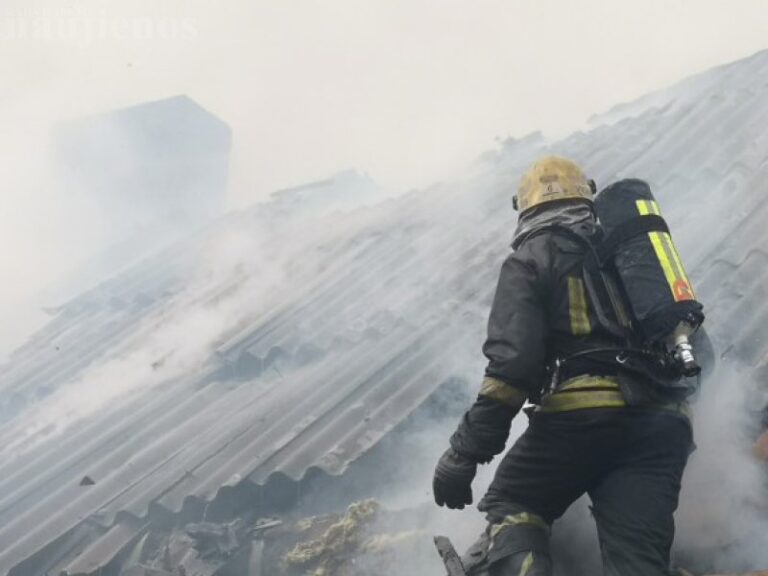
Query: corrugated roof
column 332, row 332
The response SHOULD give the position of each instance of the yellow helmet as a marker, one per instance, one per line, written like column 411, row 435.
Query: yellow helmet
column 552, row 178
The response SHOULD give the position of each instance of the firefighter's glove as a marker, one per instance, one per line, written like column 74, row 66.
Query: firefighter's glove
column 452, row 484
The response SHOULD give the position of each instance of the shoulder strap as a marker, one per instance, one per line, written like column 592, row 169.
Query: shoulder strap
column 610, row 308
column 604, row 295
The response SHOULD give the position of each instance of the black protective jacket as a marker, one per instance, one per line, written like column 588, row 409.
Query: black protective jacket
column 541, row 311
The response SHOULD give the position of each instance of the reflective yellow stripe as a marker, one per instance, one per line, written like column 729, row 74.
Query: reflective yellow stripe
column 661, row 254
column 684, row 290
column 666, row 242
column 617, row 301
column 575, row 394
column 527, row 564
column 565, row 402
column 589, row 381
column 668, row 257
column 577, row 301
column 518, row 519
column 501, row 392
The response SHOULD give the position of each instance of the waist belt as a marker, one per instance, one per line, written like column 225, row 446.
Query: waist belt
column 582, row 392
column 588, row 391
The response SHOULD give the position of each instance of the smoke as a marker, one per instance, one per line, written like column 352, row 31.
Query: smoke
column 310, row 89
column 37, row 243
column 244, row 268
column 61, row 61
column 398, row 89
column 297, row 98
column 723, row 515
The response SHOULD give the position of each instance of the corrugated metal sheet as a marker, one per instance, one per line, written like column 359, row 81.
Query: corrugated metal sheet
column 375, row 310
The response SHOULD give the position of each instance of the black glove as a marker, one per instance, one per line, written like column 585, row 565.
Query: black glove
column 452, row 484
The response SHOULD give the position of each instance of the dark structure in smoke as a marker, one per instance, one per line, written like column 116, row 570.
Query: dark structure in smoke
column 139, row 177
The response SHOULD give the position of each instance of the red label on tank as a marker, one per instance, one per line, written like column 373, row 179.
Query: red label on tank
column 682, row 290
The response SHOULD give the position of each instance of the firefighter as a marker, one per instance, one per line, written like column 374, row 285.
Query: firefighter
column 589, row 430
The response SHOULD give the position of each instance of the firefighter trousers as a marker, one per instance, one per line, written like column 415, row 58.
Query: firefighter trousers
column 630, row 461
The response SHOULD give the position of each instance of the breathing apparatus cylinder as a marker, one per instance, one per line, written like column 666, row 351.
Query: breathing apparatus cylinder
column 638, row 245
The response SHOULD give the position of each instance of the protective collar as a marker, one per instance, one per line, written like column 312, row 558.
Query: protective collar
column 568, row 214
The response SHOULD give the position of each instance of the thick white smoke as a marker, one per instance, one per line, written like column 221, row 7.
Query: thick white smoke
column 439, row 99
column 723, row 516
